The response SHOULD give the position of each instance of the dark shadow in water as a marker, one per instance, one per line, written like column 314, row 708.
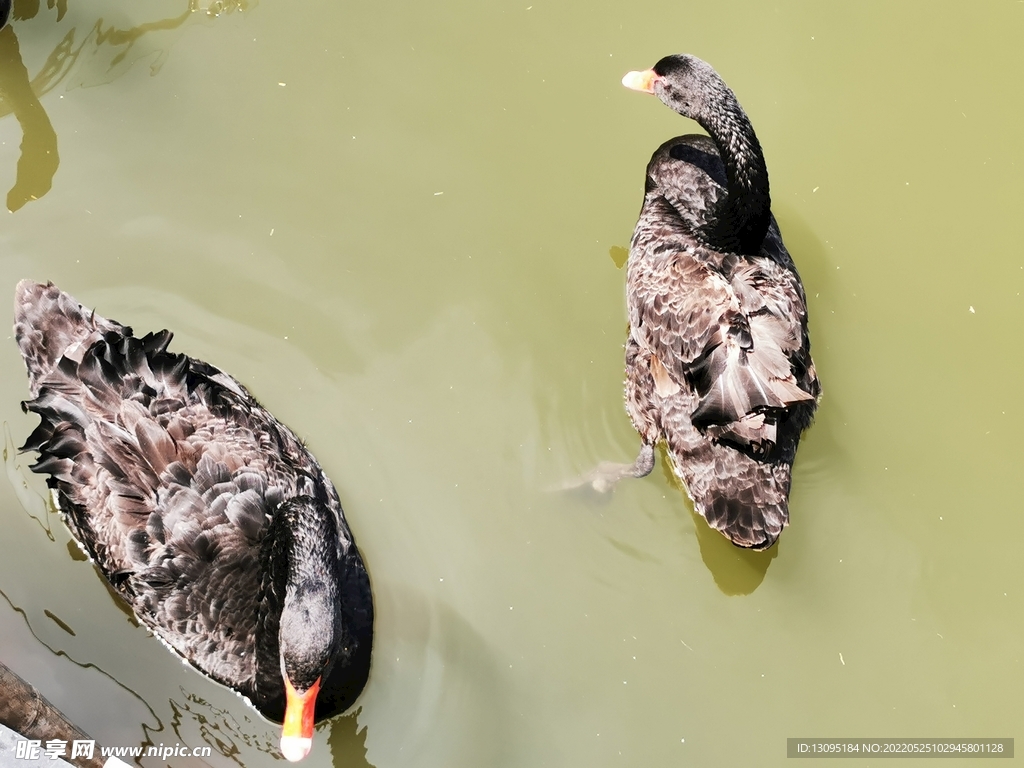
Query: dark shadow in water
column 28, row 9
column 116, row 597
column 128, row 37
column 39, row 159
column 348, row 743
column 736, row 571
column 59, row 622
column 38, row 162
column 619, row 255
column 76, row 552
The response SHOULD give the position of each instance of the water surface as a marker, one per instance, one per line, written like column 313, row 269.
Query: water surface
column 402, row 228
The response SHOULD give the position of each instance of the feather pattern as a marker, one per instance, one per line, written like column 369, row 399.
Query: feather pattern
column 176, row 480
column 716, row 305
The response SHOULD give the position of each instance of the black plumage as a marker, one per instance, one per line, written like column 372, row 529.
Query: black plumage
column 718, row 360
column 208, row 515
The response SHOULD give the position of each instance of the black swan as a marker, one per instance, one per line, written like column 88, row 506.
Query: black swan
column 718, row 361
column 204, row 512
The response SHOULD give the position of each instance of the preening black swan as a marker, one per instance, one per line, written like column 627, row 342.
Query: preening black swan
column 206, row 514
column 718, row 361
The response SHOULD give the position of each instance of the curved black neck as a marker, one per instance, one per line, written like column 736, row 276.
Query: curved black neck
column 299, row 558
column 740, row 222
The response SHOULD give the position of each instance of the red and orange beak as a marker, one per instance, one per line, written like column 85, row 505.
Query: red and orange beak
column 297, row 733
column 641, row 81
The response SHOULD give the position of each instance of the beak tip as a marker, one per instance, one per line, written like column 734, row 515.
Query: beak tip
column 640, row 81
column 295, row 748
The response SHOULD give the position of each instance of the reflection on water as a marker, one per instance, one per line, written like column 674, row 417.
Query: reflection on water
column 736, row 571
column 38, row 161
column 104, row 53
column 9, row 630
column 619, row 255
column 58, row 621
column 27, row 9
column 196, row 721
column 347, row 743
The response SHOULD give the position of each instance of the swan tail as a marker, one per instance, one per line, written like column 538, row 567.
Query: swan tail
column 50, row 325
column 748, row 527
column 742, row 497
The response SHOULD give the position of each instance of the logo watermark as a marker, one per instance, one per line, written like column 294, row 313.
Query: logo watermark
column 35, row 749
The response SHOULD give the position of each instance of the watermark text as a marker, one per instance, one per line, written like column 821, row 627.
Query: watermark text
column 35, row 749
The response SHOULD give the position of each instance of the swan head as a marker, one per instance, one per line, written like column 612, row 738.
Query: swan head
column 308, row 649
column 682, row 82
column 311, row 627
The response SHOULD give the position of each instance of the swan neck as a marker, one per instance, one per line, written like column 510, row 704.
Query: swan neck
column 311, row 540
column 300, row 577
column 742, row 218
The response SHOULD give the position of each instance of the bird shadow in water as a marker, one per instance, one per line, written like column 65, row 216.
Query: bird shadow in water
column 348, row 743
column 38, row 161
column 20, row 95
column 619, row 256
column 736, row 571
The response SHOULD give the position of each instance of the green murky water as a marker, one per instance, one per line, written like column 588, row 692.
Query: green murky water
column 401, row 228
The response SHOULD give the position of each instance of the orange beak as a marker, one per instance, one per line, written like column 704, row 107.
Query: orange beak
column 641, row 81
column 297, row 733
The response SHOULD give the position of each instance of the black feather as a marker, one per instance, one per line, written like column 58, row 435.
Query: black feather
column 180, row 485
column 715, row 303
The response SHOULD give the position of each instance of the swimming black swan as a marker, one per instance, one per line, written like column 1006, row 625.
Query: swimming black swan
column 205, row 513
column 718, row 361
